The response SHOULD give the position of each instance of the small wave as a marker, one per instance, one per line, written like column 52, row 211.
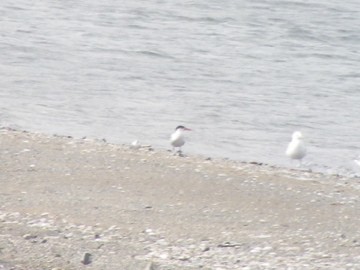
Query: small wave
column 138, row 26
column 204, row 19
column 154, row 54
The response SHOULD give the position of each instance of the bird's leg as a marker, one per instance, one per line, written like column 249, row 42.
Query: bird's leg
column 180, row 152
column 176, row 152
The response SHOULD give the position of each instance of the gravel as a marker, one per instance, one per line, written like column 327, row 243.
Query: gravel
column 81, row 203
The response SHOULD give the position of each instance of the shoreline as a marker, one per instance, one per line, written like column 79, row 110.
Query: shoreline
column 63, row 198
column 302, row 173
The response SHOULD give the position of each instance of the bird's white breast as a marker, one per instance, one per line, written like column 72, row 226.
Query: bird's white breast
column 177, row 139
column 296, row 149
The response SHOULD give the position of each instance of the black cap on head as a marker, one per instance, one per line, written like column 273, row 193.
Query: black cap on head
column 179, row 127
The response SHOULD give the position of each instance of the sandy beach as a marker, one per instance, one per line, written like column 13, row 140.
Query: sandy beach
column 86, row 204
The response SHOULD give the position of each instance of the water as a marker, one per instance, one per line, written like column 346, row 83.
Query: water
column 243, row 74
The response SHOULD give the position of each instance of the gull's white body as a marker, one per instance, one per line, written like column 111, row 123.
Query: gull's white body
column 296, row 148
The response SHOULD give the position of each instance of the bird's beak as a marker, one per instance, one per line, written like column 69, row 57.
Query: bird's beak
column 188, row 129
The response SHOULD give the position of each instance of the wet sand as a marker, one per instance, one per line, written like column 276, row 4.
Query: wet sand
column 77, row 203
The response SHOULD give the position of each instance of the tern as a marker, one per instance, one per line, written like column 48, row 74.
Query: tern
column 296, row 148
column 177, row 139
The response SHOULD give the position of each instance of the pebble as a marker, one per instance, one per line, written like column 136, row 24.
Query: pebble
column 87, row 259
column 150, row 266
column 163, row 256
column 299, row 255
column 29, row 236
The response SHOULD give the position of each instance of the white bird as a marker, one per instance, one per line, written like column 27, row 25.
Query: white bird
column 177, row 139
column 296, row 148
column 135, row 145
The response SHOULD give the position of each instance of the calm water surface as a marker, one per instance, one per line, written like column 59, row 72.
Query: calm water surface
column 243, row 74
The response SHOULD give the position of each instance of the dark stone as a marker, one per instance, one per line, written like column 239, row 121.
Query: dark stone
column 87, row 258
column 206, row 249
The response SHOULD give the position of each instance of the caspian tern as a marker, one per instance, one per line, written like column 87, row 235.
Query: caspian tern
column 177, row 139
column 296, row 148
